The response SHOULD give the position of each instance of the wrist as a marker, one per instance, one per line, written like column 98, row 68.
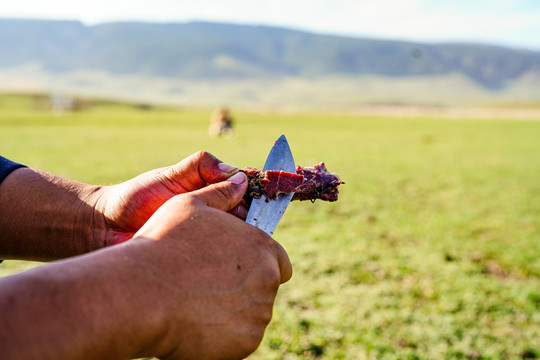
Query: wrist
column 45, row 217
column 89, row 228
column 150, row 314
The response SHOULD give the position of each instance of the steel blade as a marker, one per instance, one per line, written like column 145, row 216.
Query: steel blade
column 266, row 214
column 280, row 157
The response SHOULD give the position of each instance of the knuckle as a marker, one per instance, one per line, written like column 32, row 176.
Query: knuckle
column 225, row 192
column 273, row 277
column 252, row 339
column 269, row 274
column 224, row 195
column 168, row 178
column 280, row 263
column 261, row 238
column 266, row 316
column 200, row 154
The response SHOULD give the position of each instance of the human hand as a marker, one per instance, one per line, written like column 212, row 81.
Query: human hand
column 122, row 209
column 214, row 277
column 194, row 283
column 45, row 217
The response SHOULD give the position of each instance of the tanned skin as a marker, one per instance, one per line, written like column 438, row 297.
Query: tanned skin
column 161, row 265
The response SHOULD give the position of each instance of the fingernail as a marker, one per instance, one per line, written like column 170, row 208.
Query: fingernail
column 237, row 178
column 226, row 168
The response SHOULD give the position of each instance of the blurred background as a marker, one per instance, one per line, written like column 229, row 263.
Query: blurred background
column 339, row 55
column 429, row 110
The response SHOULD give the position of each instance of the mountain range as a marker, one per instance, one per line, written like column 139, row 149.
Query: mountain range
column 214, row 52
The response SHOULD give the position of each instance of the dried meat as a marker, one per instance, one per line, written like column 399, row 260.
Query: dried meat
column 309, row 183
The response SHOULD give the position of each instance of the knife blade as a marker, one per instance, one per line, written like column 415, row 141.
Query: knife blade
column 264, row 214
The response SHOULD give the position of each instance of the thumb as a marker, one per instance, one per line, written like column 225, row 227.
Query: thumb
column 224, row 195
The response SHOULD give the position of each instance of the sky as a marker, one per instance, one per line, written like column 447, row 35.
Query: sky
column 514, row 23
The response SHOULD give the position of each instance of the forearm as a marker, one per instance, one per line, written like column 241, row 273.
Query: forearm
column 195, row 282
column 46, row 217
column 89, row 307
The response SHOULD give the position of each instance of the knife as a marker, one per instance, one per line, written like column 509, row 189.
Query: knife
column 265, row 214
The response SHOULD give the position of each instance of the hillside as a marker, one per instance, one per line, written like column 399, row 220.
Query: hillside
column 211, row 52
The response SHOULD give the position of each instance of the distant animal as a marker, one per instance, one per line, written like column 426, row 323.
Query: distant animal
column 221, row 123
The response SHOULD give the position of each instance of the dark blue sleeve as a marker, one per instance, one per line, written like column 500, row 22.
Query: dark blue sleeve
column 6, row 167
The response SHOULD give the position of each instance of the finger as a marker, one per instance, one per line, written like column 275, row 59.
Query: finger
column 240, row 211
column 224, row 195
column 198, row 170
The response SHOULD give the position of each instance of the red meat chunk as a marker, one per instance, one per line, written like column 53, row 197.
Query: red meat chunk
column 271, row 183
column 309, row 183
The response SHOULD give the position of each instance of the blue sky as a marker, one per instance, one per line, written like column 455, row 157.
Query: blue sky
column 506, row 22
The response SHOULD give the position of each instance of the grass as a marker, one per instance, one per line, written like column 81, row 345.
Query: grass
column 432, row 251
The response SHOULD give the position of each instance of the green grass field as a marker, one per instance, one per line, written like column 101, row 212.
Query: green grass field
column 432, row 251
